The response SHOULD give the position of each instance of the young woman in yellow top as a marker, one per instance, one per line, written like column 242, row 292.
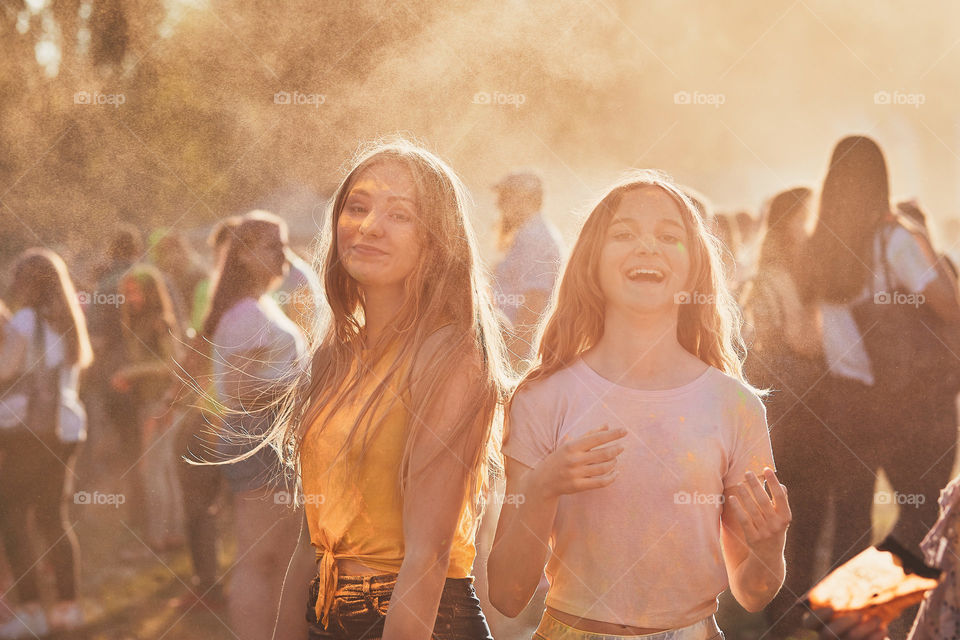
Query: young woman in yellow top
column 396, row 429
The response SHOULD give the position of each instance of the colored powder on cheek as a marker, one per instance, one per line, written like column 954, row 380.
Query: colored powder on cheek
column 681, row 247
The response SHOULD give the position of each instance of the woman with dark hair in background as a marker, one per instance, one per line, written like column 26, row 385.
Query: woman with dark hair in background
column 869, row 272
column 43, row 348
column 785, row 357
column 151, row 337
column 256, row 350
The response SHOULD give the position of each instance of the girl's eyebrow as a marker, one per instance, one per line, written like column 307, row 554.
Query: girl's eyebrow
column 630, row 222
column 363, row 192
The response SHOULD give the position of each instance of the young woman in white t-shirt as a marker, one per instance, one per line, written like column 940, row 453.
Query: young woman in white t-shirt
column 255, row 351
column 635, row 446
column 38, row 444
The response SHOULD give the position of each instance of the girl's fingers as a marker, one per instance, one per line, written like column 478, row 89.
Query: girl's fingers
column 598, row 438
column 597, row 482
column 778, row 491
column 599, row 469
column 746, row 524
column 748, row 504
column 602, row 454
column 759, row 494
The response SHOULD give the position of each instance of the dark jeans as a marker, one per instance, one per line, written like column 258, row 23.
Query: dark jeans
column 361, row 602
column 34, row 477
column 201, row 487
column 125, row 414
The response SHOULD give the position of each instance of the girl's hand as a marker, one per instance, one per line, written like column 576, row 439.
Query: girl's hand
column 849, row 627
column 762, row 518
column 589, row 462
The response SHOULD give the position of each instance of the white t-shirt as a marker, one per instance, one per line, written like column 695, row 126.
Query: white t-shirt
column 255, row 327
column 911, row 272
column 532, row 263
column 644, row 551
column 17, row 356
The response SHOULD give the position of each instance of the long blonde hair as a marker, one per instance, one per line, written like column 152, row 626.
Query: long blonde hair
column 708, row 327
column 446, row 289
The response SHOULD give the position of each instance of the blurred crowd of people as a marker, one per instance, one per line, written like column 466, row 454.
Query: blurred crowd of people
column 163, row 358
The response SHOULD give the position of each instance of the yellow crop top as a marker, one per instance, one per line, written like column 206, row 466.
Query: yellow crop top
column 357, row 514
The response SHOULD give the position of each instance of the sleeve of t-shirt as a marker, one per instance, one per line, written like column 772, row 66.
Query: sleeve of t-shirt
column 910, row 266
column 22, row 322
column 240, row 335
column 16, row 341
column 543, row 265
column 241, row 329
column 751, row 446
column 531, row 429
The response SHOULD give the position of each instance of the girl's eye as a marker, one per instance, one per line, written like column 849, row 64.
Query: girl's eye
column 356, row 208
column 400, row 216
column 669, row 238
column 623, row 235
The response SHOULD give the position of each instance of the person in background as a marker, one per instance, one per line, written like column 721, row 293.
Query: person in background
column 201, row 484
column 125, row 248
column 785, row 357
column 525, row 278
column 861, row 253
column 255, row 350
column 43, row 348
column 177, row 262
column 151, row 339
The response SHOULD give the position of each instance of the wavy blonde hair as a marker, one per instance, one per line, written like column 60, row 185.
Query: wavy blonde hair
column 708, row 327
column 447, row 289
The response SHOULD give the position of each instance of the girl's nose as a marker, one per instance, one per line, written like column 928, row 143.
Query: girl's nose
column 370, row 224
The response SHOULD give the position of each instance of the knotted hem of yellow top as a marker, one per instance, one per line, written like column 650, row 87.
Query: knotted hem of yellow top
column 328, row 576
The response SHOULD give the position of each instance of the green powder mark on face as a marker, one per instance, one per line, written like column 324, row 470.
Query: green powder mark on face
column 680, row 246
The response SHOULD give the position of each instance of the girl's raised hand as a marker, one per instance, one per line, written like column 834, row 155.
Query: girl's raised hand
column 589, row 462
column 763, row 518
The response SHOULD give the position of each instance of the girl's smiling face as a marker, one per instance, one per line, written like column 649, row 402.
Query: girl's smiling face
column 644, row 264
column 378, row 238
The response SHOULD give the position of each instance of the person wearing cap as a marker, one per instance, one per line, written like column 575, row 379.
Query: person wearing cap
column 525, row 278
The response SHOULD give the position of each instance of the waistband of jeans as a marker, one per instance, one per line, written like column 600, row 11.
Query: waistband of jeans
column 554, row 629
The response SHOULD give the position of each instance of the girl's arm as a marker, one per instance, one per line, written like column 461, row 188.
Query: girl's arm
column 941, row 294
column 753, row 534
column 13, row 351
column 520, row 547
column 432, row 505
